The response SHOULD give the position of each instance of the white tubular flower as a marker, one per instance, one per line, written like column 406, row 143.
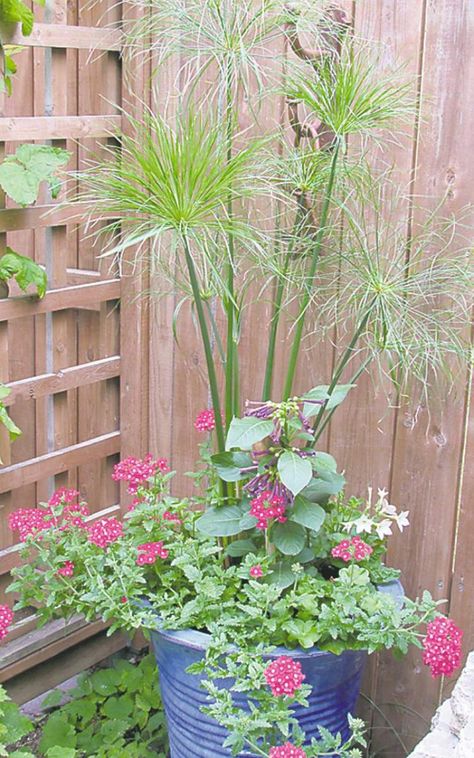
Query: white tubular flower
column 402, row 520
column 384, row 528
column 363, row 524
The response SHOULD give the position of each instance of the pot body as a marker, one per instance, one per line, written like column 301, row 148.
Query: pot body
column 335, row 682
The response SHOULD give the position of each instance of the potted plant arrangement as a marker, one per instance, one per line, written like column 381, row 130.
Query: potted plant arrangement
column 265, row 591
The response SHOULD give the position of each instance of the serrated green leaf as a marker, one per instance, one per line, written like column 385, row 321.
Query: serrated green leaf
column 52, row 699
column 245, row 432
column 23, row 270
column 16, row 12
column 118, row 707
column 57, row 732
column 10, row 425
column 289, row 537
column 16, row 724
column 295, row 472
column 307, row 514
column 105, row 682
column 22, row 173
column 61, row 752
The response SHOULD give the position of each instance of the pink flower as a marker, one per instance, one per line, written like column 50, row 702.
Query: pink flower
column 6, row 618
column 266, row 507
column 124, row 599
column 287, row 751
column 28, row 521
column 168, row 516
column 63, row 495
column 136, row 471
column 355, row 549
column 205, row 421
column 67, row 569
column 442, row 646
column 150, row 551
column 104, row 531
column 256, row 571
column 284, row 676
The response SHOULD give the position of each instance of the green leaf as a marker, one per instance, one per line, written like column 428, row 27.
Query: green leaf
column 220, row 522
column 307, row 514
column 324, row 462
column 228, row 465
column 52, row 699
column 23, row 270
column 4, row 391
column 7, row 422
column 289, row 537
column 83, row 709
column 323, row 487
column 295, row 472
column 240, row 548
column 17, row 726
column 57, row 732
column 245, row 432
column 22, row 173
column 281, row 575
column 105, row 682
column 61, row 752
column 16, row 12
column 118, row 707
column 336, row 397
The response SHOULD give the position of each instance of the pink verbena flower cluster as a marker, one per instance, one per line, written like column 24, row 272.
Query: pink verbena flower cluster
column 266, row 507
column 442, row 646
column 6, row 618
column 354, row 549
column 30, row 521
column 284, row 676
column 104, row 531
column 168, row 516
column 287, row 751
column 256, row 571
column 205, row 421
column 150, row 551
column 67, row 569
column 63, row 495
column 137, row 471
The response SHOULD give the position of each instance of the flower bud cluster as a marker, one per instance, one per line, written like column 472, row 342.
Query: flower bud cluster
column 137, row 471
column 266, row 507
column 150, row 551
column 442, row 646
column 284, row 676
column 104, row 531
column 6, row 618
column 287, row 751
column 354, row 549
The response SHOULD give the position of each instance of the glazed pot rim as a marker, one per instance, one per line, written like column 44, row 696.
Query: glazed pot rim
column 196, row 640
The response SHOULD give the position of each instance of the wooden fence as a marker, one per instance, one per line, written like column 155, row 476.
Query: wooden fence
column 89, row 383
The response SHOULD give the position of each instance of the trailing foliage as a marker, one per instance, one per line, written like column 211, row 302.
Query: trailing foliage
column 11, row 427
column 22, row 173
column 25, row 271
column 14, row 12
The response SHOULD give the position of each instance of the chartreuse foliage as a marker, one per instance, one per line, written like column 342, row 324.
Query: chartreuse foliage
column 25, row 271
column 14, row 12
column 11, row 427
column 113, row 712
column 22, row 173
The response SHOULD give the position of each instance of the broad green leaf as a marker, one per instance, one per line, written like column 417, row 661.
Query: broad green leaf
column 324, row 462
column 320, row 489
column 295, row 472
column 240, row 547
column 245, row 432
column 336, row 397
column 17, row 726
column 61, row 752
column 247, row 522
column 228, row 465
column 57, row 732
column 52, row 699
column 83, row 709
column 22, row 173
column 16, row 12
column 23, row 270
column 10, row 425
column 118, row 707
column 105, row 682
column 289, row 537
column 281, row 575
column 220, row 522
column 307, row 514
column 18, row 754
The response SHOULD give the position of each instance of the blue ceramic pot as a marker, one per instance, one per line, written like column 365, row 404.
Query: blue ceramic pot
column 335, row 680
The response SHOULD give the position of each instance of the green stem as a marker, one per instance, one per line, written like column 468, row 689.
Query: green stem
column 231, row 366
column 318, row 242
column 215, row 331
column 211, row 370
column 280, row 288
column 346, row 357
column 328, row 416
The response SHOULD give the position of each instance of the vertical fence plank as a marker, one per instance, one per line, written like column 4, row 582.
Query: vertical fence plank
column 428, row 444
